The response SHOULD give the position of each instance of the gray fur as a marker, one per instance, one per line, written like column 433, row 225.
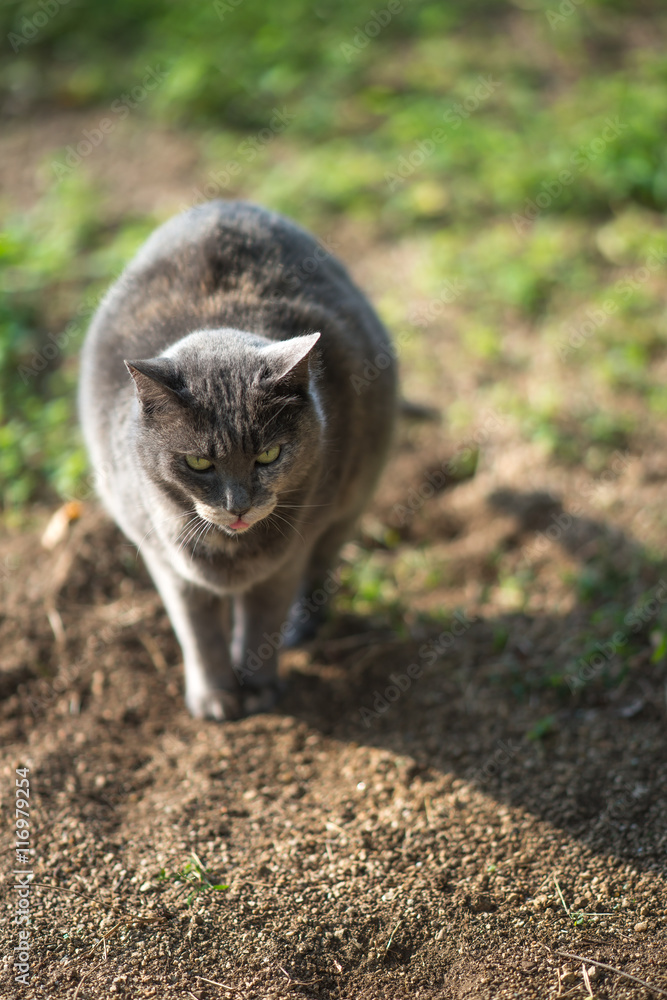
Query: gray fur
column 228, row 354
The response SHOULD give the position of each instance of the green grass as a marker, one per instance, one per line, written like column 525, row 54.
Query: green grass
column 360, row 140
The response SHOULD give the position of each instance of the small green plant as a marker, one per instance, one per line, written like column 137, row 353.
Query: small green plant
column 660, row 651
column 543, row 727
column 194, row 876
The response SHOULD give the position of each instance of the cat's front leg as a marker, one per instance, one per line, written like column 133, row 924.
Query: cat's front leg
column 261, row 629
column 198, row 619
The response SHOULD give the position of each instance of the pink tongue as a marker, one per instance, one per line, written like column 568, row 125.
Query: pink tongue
column 239, row 524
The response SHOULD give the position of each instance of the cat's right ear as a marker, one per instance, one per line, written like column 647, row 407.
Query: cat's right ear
column 158, row 383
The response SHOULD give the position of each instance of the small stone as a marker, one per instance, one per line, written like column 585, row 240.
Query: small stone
column 568, row 975
column 482, row 904
column 641, row 926
column 440, row 935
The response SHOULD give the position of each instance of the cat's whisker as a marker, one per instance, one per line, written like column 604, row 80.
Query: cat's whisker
column 276, row 526
column 184, row 528
column 190, row 535
column 202, row 534
column 289, row 523
column 162, row 521
column 192, row 532
column 299, row 506
column 299, row 489
column 302, row 518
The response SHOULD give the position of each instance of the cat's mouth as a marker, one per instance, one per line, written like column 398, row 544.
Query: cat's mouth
column 237, row 527
column 227, row 524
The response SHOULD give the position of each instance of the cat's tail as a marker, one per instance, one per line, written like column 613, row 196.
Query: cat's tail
column 416, row 411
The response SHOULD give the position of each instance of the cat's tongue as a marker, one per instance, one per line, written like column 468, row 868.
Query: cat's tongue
column 238, row 524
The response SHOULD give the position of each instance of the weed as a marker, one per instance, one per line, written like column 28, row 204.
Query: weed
column 194, row 878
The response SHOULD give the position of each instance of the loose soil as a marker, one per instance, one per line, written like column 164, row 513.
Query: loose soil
column 419, row 852
column 485, row 823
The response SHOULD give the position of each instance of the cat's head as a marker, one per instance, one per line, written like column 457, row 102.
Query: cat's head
column 228, row 421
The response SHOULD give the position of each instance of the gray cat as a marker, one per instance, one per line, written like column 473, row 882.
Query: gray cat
column 245, row 441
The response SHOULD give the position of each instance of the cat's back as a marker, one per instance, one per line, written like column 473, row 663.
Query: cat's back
column 225, row 263
column 238, row 250
column 232, row 264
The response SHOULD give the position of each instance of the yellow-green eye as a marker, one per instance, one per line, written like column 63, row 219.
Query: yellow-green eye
column 269, row 456
column 197, row 463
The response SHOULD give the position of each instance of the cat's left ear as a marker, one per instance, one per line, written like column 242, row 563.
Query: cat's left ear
column 159, row 384
column 290, row 359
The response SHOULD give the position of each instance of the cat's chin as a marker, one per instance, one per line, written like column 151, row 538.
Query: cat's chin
column 232, row 531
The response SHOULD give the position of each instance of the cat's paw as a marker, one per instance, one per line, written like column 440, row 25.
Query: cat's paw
column 213, row 703
column 263, row 698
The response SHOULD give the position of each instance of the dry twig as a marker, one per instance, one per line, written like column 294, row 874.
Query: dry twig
column 610, row 968
column 560, row 896
column 223, row 986
column 391, row 936
column 85, row 976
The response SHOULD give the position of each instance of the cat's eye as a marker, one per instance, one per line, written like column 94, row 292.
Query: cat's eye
column 198, row 463
column 270, row 455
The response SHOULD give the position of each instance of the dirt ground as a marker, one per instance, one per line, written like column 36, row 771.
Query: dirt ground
column 476, row 827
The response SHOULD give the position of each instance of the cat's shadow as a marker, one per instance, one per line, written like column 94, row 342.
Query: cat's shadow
column 569, row 717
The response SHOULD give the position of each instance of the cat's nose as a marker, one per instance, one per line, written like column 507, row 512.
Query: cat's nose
column 237, row 499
